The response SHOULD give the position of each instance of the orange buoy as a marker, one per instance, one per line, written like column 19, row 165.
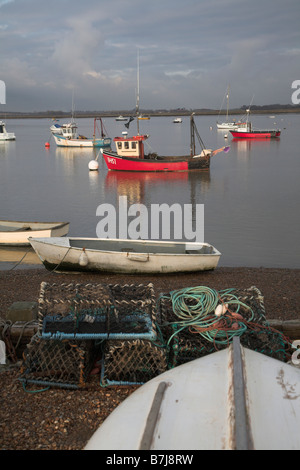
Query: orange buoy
column 47, row 144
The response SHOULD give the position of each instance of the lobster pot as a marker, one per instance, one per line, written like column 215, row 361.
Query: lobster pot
column 132, row 362
column 255, row 300
column 187, row 346
column 65, row 364
column 97, row 311
column 268, row 341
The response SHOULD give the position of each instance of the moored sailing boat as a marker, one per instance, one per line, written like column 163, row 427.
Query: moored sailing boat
column 228, row 125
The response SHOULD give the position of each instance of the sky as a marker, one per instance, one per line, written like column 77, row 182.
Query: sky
column 55, row 53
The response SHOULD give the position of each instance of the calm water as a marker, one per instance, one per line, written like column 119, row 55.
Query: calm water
column 251, row 195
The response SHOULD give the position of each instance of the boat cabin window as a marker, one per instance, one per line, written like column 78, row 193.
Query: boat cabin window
column 1, row 129
column 128, row 148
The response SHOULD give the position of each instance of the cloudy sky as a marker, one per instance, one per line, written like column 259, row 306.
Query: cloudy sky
column 190, row 51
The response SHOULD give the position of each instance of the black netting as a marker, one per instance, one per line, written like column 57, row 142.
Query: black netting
column 97, row 311
column 57, row 363
column 132, row 362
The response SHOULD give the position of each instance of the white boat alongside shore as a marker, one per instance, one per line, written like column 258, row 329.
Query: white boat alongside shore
column 16, row 233
column 124, row 255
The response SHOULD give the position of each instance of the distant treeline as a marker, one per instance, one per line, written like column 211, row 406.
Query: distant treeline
column 52, row 114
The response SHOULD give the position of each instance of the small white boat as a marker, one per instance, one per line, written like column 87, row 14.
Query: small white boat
column 124, row 255
column 121, row 118
column 177, row 120
column 229, row 125
column 16, row 233
column 226, row 125
column 234, row 399
column 66, row 136
column 4, row 135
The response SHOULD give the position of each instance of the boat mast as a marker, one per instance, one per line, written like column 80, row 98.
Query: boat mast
column 137, row 107
column 227, row 103
column 194, row 130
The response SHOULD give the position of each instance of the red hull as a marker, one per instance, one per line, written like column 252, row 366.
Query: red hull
column 114, row 162
column 255, row 135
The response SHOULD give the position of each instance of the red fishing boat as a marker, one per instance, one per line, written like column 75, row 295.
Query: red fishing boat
column 247, row 132
column 130, row 155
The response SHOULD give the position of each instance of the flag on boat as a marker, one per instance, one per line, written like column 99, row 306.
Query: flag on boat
column 127, row 123
column 222, row 149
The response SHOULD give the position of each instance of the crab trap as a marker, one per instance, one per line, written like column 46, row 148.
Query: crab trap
column 191, row 329
column 97, row 311
column 65, row 364
column 132, row 362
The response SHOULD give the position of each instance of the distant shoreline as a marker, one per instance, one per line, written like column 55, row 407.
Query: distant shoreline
column 269, row 110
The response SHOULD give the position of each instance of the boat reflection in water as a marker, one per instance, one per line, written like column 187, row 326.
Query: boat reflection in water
column 18, row 256
column 134, row 185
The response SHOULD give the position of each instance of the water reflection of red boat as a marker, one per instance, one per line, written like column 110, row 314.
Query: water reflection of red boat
column 133, row 184
column 131, row 177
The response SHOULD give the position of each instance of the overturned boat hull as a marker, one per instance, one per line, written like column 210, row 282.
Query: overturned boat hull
column 234, row 399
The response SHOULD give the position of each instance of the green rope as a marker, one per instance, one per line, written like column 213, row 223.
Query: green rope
column 194, row 308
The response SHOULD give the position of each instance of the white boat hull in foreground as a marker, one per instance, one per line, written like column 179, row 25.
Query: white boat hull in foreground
column 16, row 233
column 234, row 399
column 124, row 255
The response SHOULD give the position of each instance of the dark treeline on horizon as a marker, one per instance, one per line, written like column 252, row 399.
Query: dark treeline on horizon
column 279, row 108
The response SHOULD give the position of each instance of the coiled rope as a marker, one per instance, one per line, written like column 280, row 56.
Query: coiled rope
column 195, row 309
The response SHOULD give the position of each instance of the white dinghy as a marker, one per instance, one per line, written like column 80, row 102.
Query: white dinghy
column 234, row 399
column 124, row 255
column 16, row 233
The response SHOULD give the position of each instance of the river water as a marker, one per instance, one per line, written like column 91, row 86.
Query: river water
column 251, row 194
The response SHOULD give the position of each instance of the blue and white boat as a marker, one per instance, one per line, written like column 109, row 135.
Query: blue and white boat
column 66, row 136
